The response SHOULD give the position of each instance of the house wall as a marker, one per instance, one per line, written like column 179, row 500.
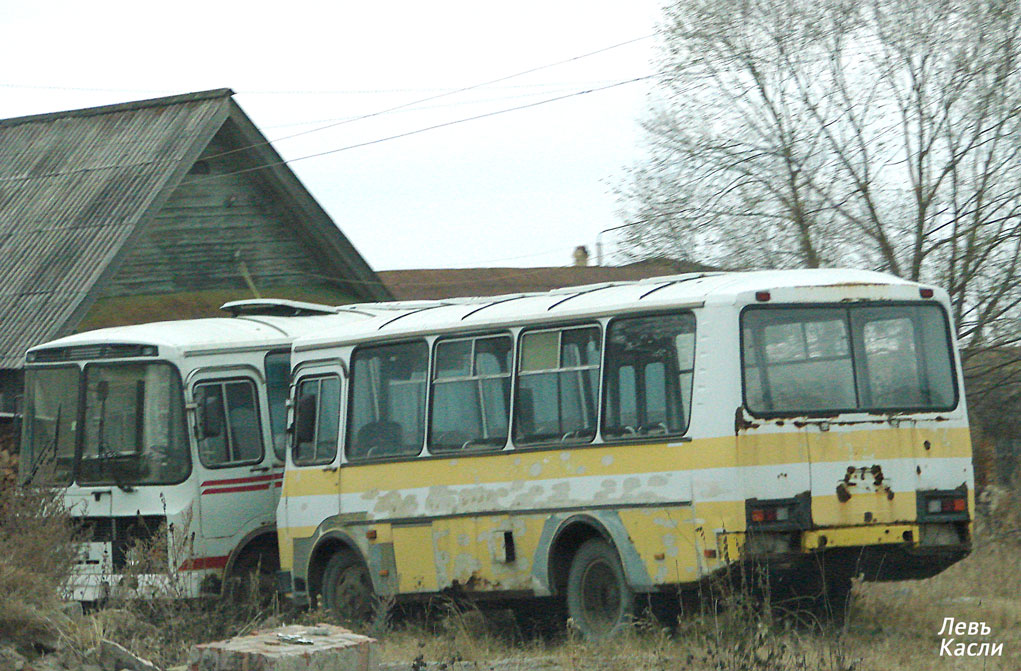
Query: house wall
column 216, row 239
column 214, row 228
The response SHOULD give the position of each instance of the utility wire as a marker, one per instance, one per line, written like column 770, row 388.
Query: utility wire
column 445, row 124
column 560, row 88
column 441, row 95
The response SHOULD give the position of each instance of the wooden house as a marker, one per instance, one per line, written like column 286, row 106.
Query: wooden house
column 152, row 210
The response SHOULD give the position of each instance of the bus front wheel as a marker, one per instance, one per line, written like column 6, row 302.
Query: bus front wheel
column 347, row 588
column 599, row 600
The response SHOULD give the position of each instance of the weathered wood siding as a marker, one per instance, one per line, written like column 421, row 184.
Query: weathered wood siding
column 214, row 228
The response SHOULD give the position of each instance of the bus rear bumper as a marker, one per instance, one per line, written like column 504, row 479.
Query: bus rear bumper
column 879, row 552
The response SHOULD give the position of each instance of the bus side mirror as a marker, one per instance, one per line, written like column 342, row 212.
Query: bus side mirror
column 211, row 416
column 305, row 424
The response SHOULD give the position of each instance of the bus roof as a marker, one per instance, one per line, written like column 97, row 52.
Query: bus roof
column 398, row 319
column 194, row 336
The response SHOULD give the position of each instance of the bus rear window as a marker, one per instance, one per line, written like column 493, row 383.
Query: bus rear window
column 845, row 359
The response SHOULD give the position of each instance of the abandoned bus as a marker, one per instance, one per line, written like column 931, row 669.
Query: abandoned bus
column 168, row 440
column 599, row 443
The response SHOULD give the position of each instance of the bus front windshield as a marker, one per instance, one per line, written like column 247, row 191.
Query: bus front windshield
column 134, row 429
column 51, row 418
column 113, row 424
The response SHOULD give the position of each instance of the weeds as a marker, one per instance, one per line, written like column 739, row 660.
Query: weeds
column 37, row 554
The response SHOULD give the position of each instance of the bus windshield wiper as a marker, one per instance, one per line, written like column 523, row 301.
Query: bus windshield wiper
column 51, row 447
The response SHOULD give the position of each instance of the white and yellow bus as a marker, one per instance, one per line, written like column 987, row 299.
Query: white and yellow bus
column 598, row 443
column 169, row 438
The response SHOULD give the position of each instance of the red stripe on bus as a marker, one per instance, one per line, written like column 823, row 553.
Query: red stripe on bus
column 236, row 481
column 200, row 563
column 249, row 488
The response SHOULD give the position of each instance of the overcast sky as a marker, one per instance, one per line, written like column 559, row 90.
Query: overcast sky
column 520, row 189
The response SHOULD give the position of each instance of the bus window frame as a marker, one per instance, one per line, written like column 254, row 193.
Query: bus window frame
column 597, row 322
column 348, row 425
column 281, row 455
column 603, row 398
column 481, row 448
column 854, row 353
column 77, row 421
column 320, row 376
column 258, row 416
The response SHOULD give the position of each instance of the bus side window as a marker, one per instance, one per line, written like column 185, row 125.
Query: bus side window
column 559, row 371
column 387, row 410
column 316, row 422
column 650, row 364
column 470, row 393
column 229, row 431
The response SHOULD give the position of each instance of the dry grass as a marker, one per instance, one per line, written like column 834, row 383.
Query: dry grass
column 36, row 556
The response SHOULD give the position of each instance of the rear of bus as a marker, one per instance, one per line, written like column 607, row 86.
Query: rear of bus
column 852, row 437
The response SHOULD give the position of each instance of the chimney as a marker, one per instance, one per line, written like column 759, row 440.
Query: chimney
column 580, row 256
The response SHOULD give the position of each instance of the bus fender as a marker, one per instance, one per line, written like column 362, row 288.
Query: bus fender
column 604, row 523
column 378, row 558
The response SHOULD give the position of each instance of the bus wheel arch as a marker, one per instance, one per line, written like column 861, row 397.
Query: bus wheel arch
column 256, row 552
column 568, row 538
column 591, row 561
column 331, row 557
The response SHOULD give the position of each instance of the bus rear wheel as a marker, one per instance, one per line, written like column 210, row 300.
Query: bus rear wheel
column 347, row 588
column 599, row 601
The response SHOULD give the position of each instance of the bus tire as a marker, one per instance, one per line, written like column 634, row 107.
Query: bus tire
column 599, row 601
column 347, row 588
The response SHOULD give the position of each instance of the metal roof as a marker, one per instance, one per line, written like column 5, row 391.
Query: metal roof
column 73, row 187
column 77, row 187
column 364, row 321
column 190, row 335
column 406, row 318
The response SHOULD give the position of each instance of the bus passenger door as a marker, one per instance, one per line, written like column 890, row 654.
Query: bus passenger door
column 313, row 485
column 236, row 481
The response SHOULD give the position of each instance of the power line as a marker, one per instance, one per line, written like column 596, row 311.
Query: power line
column 441, row 95
column 420, row 130
column 422, row 89
column 460, row 103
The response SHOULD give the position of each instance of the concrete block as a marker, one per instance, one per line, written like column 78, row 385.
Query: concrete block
column 320, row 647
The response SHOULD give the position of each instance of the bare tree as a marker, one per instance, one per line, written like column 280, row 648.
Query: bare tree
column 869, row 133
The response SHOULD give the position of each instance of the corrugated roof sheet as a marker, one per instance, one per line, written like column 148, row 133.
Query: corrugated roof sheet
column 73, row 186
